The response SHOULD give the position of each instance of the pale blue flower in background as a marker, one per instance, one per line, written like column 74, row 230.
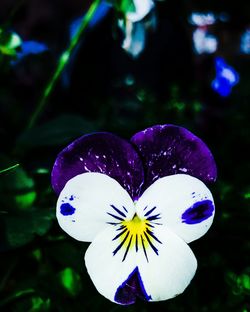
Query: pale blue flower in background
column 245, row 42
column 135, row 26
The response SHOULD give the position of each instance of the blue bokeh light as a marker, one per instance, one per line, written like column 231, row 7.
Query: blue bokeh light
column 202, row 19
column 28, row 48
column 204, row 42
column 99, row 14
column 245, row 42
column 226, row 78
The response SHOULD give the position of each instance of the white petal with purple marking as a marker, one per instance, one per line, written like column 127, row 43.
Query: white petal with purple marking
column 150, row 274
column 184, row 204
column 107, row 270
column 89, row 202
column 167, row 274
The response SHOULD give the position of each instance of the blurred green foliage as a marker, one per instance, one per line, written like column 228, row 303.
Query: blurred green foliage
column 123, row 6
column 9, row 42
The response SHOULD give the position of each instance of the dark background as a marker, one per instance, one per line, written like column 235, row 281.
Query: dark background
column 41, row 268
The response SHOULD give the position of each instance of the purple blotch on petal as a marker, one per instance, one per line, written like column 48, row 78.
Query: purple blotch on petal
column 66, row 209
column 169, row 149
column 100, row 152
column 131, row 289
column 199, row 212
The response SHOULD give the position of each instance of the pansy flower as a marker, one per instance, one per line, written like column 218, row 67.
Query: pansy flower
column 139, row 203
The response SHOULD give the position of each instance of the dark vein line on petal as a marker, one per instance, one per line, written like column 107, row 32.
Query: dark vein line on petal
column 136, row 242
column 150, row 225
column 155, row 217
column 118, row 235
column 151, row 244
column 125, row 208
column 113, row 223
column 118, row 211
column 153, row 236
column 150, row 211
column 116, row 217
column 156, row 223
column 121, row 244
column 127, row 249
column 144, row 249
column 121, row 227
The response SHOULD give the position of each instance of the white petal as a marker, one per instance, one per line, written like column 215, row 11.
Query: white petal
column 166, row 274
column 134, row 40
column 144, row 273
column 89, row 202
column 142, row 8
column 108, row 271
column 184, row 204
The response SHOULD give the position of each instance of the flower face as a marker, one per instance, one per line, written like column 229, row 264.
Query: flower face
column 139, row 203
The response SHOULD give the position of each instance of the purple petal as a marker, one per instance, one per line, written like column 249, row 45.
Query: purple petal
column 168, row 150
column 103, row 153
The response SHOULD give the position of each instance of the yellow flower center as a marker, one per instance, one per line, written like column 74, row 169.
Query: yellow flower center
column 136, row 233
column 136, row 229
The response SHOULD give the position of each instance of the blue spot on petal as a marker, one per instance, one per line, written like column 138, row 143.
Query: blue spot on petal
column 199, row 212
column 131, row 289
column 66, row 209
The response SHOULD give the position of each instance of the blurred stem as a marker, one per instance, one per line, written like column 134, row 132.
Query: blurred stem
column 16, row 296
column 62, row 62
column 11, row 15
column 9, row 168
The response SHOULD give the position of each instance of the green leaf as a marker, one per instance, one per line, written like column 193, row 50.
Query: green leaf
column 123, row 6
column 21, row 228
column 9, row 42
column 70, row 281
column 56, row 132
column 39, row 304
column 16, row 189
column 127, row 6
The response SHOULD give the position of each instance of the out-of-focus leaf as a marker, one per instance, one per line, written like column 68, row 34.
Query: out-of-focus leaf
column 39, row 304
column 16, row 296
column 27, row 302
column 16, row 189
column 56, row 132
column 9, row 42
column 73, row 256
column 37, row 254
column 70, row 281
column 123, row 6
column 240, row 284
column 21, row 228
